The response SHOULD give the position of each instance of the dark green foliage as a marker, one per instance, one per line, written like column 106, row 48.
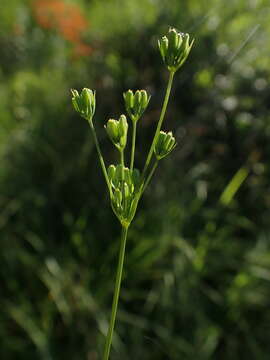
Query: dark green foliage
column 197, row 274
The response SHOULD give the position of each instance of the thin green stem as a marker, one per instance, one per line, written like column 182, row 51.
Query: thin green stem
column 133, row 144
column 103, row 167
column 150, row 176
column 162, row 114
column 122, row 157
column 116, row 293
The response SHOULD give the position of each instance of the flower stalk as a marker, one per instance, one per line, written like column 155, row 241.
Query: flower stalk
column 133, row 145
column 116, row 292
column 161, row 118
column 102, row 164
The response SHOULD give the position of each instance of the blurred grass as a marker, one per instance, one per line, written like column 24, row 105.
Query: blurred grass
column 196, row 281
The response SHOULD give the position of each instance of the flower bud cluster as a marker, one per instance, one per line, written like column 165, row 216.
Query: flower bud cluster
column 117, row 131
column 136, row 103
column 174, row 49
column 164, row 145
column 84, row 103
column 124, row 183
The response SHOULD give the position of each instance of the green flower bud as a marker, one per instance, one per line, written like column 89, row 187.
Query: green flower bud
column 84, row 103
column 127, row 177
column 136, row 103
column 111, row 171
column 117, row 197
column 119, row 173
column 122, row 125
column 124, row 199
column 164, row 145
column 174, row 49
column 126, row 191
column 112, row 130
column 129, row 98
column 111, row 175
column 144, row 99
column 117, row 131
column 163, row 47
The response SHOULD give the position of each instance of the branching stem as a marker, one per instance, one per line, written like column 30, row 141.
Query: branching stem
column 149, row 176
column 162, row 114
column 100, row 156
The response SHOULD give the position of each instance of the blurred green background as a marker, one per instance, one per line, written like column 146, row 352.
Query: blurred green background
column 196, row 283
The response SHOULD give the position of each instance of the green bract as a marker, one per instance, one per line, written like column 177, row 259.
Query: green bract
column 136, row 103
column 117, row 131
column 84, row 103
column 164, row 145
column 174, row 49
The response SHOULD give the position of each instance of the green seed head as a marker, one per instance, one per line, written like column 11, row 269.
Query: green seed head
column 164, row 145
column 117, row 131
column 84, row 103
column 136, row 103
column 123, row 196
column 174, row 49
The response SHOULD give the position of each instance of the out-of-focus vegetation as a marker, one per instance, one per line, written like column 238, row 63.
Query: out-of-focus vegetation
column 197, row 274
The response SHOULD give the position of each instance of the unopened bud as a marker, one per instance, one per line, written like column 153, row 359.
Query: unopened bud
column 117, row 197
column 84, row 103
column 119, row 173
column 123, row 195
column 126, row 192
column 164, row 145
column 136, row 103
column 127, row 176
column 117, row 131
column 174, row 49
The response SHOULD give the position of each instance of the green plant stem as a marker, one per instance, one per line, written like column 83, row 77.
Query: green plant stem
column 162, row 114
column 234, row 185
column 150, row 176
column 116, row 293
column 133, row 144
column 122, row 158
column 100, row 155
column 122, row 172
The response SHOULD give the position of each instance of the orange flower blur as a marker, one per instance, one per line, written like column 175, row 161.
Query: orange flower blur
column 66, row 19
